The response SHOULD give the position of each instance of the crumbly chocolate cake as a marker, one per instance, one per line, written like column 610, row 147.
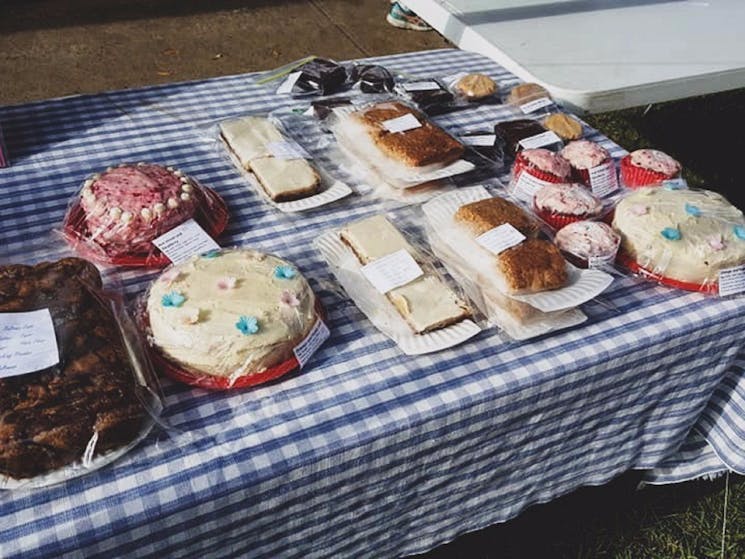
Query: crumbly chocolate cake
column 47, row 418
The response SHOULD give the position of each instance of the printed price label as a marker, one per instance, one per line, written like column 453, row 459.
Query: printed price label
column 603, row 179
column 536, row 105
column 731, row 281
column 287, row 85
column 182, row 242
column 27, row 342
column 287, row 149
column 526, row 186
column 401, row 123
column 305, row 349
column 481, row 140
column 421, row 86
column 540, row 140
column 392, row 271
column 500, row 238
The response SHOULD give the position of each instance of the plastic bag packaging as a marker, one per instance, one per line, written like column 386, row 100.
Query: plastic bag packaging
column 684, row 238
column 430, row 95
column 648, row 167
column 372, row 78
column 524, row 285
column 592, row 165
column 76, row 388
column 118, row 213
column 309, row 76
column 525, row 133
column 277, row 163
column 231, row 318
column 531, row 99
column 473, row 88
column 399, row 144
column 589, row 244
column 398, row 285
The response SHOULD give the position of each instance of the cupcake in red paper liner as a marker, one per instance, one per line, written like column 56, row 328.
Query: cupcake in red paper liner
column 541, row 164
column 584, row 155
column 588, row 243
column 121, row 211
column 561, row 204
column 646, row 167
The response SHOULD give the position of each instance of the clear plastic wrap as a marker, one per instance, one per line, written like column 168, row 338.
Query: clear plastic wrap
column 525, row 133
column 372, row 78
column 398, row 286
column 399, row 144
column 648, row 167
column 589, row 244
column 531, row 99
column 96, row 396
column 592, row 165
column 277, row 163
column 430, row 95
column 309, row 76
column 534, row 169
column 117, row 213
column 473, row 88
column 684, row 238
column 231, row 318
column 525, row 293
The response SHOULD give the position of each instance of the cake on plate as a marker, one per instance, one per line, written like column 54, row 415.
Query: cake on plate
column 230, row 313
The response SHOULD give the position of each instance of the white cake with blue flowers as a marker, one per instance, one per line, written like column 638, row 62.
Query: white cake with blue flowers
column 230, row 313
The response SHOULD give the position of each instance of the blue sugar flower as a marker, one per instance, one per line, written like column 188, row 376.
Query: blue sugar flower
column 674, row 184
column 739, row 231
column 284, row 272
column 173, row 299
column 248, row 325
column 214, row 253
column 695, row 211
column 671, row 233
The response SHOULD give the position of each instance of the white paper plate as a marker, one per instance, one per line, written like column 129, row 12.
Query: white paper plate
column 380, row 310
column 582, row 285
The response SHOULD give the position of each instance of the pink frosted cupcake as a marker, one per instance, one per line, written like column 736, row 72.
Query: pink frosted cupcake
column 128, row 206
column 584, row 155
column 542, row 164
column 645, row 167
column 588, row 243
column 561, row 204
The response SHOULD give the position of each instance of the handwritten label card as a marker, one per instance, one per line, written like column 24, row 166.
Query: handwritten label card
column 536, row 105
column 27, row 342
column 526, row 186
column 500, row 238
column 182, row 242
column 732, row 281
column 305, row 349
column 392, row 271
column 540, row 140
column 603, row 179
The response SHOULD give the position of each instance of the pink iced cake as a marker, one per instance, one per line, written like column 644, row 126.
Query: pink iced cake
column 542, row 164
column 646, row 167
column 128, row 206
column 560, row 204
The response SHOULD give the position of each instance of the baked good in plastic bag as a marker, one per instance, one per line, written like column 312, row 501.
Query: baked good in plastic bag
column 312, row 75
column 372, row 78
column 565, row 126
column 94, row 398
column 277, row 165
column 588, row 244
column 592, row 165
column 531, row 99
column 689, row 239
column 525, row 133
column 231, row 318
column 397, row 286
column 398, row 143
column 520, row 280
column 429, row 95
column 534, row 169
column 120, row 211
column 561, row 204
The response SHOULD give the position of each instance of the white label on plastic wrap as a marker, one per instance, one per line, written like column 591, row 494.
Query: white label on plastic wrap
column 27, row 342
column 392, row 271
column 603, row 179
column 500, row 238
column 481, row 140
column 287, row 149
column 600, row 262
column 182, row 242
column 540, row 140
column 731, row 281
column 526, row 187
column 305, row 349
column 401, row 123
column 289, row 83
column 675, row 184
column 421, row 86
column 536, row 105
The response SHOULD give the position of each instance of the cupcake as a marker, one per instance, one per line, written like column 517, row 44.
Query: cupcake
column 542, row 164
column 645, row 167
column 588, row 243
column 561, row 204
column 583, row 156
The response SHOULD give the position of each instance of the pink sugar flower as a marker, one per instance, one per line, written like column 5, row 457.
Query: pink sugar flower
column 639, row 210
column 717, row 243
column 289, row 298
column 190, row 317
column 226, row 283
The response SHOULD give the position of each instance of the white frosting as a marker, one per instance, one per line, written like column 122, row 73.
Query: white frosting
column 707, row 242
column 201, row 334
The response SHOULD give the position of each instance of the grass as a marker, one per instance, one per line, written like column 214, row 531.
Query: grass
column 684, row 521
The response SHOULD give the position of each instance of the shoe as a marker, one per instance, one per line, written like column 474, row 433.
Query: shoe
column 403, row 18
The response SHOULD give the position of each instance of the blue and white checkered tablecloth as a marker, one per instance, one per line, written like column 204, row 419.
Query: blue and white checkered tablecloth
column 367, row 452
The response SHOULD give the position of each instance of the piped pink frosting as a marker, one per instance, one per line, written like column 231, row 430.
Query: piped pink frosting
column 584, row 154
column 655, row 160
column 547, row 161
column 568, row 199
column 588, row 239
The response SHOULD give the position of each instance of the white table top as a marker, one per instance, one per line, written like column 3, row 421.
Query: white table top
column 598, row 55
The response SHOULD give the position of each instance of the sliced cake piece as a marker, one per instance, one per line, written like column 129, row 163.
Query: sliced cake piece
column 426, row 303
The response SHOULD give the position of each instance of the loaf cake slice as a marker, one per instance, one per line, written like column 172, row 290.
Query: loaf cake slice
column 283, row 180
column 426, row 303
